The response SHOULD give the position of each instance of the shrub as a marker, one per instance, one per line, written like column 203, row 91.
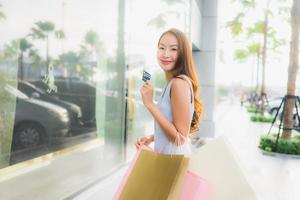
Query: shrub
column 252, row 110
column 261, row 118
column 292, row 146
column 297, row 137
column 267, row 142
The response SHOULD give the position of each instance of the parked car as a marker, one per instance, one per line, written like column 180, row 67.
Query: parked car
column 74, row 110
column 78, row 92
column 36, row 121
column 273, row 107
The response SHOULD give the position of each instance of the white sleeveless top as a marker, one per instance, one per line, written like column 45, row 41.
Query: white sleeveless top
column 161, row 143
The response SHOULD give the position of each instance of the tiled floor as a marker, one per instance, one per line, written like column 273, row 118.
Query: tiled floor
column 273, row 178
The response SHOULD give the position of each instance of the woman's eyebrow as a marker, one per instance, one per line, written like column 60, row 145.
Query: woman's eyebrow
column 170, row 45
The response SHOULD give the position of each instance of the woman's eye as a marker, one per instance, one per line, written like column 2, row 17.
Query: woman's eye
column 174, row 49
column 161, row 48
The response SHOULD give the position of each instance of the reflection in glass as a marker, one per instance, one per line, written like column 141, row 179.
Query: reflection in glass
column 66, row 85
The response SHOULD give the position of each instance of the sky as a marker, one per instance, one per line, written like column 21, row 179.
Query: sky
column 231, row 72
column 74, row 15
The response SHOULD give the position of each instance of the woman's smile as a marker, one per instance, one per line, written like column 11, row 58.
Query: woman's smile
column 166, row 62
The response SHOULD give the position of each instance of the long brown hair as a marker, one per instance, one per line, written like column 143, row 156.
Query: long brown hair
column 185, row 65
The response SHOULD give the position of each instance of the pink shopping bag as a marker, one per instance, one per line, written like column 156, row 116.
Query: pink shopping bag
column 194, row 187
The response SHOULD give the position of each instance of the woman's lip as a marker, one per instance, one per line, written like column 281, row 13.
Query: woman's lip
column 165, row 62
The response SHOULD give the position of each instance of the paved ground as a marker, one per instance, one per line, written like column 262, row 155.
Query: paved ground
column 273, row 178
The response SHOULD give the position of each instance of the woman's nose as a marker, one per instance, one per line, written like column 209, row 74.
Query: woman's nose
column 166, row 53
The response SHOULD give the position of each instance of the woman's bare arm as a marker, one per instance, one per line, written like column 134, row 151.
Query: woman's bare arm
column 180, row 104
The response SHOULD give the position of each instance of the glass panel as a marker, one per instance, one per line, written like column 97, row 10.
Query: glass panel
column 7, row 105
column 64, row 64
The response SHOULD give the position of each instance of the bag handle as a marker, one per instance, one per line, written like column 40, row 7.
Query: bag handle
column 177, row 143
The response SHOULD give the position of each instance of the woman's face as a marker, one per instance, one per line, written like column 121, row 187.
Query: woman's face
column 167, row 52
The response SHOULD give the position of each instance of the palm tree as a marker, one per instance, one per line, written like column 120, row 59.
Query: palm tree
column 60, row 35
column 15, row 50
column 24, row 46
column 91, row 39
column 42, row 31
column 92, row 47
column 292, row 72
column 34, row 55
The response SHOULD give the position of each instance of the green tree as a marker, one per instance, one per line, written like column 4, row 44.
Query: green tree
column 16, row 49
column 293, row 68
column 70, row 60
column 60, row 35
column 24, row 47
column 42, row 31
column 160, row 21
column 10, row 50
column 93, row 44
column 259, row 29
column 35, row 57
column 92, row 48
column 236, row 25
column 2, row 15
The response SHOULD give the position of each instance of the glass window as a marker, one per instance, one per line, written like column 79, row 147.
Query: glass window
column 70, row 73
column 62, row 69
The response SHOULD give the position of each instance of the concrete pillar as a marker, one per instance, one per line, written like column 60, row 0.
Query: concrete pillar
column 204, row 56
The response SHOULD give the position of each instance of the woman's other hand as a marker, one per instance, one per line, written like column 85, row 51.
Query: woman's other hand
column 147, row 93
column 143, row 141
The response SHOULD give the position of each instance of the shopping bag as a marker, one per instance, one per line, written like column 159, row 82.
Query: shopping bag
column 194, row 187
column 153, row 176
column 216, row 163
column 129, row 169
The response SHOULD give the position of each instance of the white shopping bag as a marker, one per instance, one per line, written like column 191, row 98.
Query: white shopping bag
column 216, row 163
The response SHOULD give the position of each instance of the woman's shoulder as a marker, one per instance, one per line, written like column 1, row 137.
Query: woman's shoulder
column 182, row 81
column 180, row 86
column 184, row 77
column 178, row 82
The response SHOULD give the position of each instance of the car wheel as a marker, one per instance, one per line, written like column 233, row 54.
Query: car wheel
column 273, row 111
column 29, row 135
column 296, row 121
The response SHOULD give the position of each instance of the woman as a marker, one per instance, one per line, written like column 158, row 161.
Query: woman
column 179, row 110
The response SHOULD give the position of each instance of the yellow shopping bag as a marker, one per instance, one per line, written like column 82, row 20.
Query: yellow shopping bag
column 155, row 176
